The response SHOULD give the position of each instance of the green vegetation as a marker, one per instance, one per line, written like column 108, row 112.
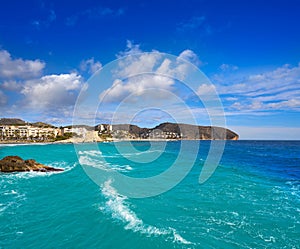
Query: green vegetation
column 105, row 136
column 67, row 135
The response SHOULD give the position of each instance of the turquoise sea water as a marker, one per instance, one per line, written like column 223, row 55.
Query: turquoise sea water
column 251, row 201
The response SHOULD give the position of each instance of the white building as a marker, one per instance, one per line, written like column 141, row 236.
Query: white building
column 27, row 131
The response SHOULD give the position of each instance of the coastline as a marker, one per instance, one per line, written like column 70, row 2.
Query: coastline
column 76, row 141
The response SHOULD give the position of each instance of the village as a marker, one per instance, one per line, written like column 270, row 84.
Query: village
column 47, row 133
column 19, row 131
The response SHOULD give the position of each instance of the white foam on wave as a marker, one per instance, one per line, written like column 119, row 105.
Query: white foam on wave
column 12, row 192
column 62, row 165
column 2, row 208
column 12, row 198
column 32, row 174
column 90, row 152
column 95, row 159
column 118, row 207
column 96, row 153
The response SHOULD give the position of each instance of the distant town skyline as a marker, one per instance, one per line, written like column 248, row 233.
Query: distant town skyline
column 248, row 49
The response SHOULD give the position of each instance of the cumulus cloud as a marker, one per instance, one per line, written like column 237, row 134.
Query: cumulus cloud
column 90, row 65
column 134, row 65
column 32, row 93
column 190, row 56
column 138, row 72
column 53, row 92
column 11, row 85
column 137, row 86
column 19, row 68
column 131, row 49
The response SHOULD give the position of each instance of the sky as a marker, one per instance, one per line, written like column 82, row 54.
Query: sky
column 249, row 50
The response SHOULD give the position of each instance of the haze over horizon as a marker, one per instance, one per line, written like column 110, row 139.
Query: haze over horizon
column 248, row 49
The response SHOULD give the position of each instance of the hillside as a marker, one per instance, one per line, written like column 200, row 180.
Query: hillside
column 183, row 131
column 42, row 125
column 11, row 121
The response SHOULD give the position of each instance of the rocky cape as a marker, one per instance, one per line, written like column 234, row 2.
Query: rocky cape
column 11, row 164
column 186, row 131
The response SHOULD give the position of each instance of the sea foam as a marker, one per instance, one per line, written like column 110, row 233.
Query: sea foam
column 95, row 159
column 119, row 208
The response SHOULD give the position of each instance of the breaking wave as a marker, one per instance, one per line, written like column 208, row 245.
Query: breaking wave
column 94, row 159
column 119, row 209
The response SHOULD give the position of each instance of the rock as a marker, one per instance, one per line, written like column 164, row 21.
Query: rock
column 17, row 164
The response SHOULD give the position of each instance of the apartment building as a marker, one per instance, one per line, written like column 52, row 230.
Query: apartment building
column 27, row 132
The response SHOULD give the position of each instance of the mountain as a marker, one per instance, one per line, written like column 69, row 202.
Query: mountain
column 199, row 132
column 17, row 121
column 11, row 121
column 42, row 125
column 176, row 131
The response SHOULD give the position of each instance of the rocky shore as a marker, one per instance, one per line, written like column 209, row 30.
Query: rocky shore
column 11, row 164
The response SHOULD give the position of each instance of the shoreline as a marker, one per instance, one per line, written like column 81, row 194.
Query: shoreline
column 71, row 141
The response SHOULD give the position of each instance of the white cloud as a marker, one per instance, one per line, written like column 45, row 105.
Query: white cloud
column 11, row 85
column 135, row 64
column 19, row 68
column 137, row 86
column 139, row 71
column 91, row 66
column 53, row 92
column 190, row 56
column 277, row 89
column 131, row 49
column 228, row 67
column 206, row 89
column 291, row 103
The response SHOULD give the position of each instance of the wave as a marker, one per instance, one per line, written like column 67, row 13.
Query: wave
column 2, row 208
column 95, row 159
column 11, row 199
column 90, row 152
column 62, row 165
column 95, row 153
column 118, row 207
column 30, row 174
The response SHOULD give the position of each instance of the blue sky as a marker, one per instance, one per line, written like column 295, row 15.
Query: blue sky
column 249, row 50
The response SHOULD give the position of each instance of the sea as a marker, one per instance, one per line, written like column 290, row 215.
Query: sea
column 251, row 200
